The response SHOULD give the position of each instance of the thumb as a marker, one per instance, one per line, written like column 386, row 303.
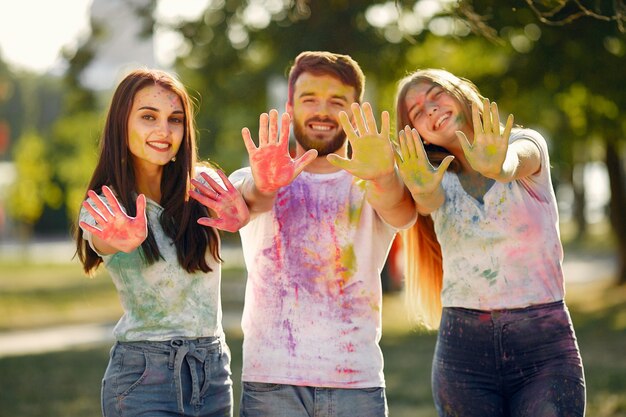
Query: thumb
column 443, row 166
column 141, row 205
column 301, row 163
column 467, row 147
column 338, row 161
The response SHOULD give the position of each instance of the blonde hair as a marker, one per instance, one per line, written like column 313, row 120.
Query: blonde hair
column 423, row 271
column 422, row 254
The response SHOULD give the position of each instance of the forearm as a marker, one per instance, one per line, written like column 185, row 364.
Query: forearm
column 522, row 159
column 391, row 200
column 426, row 203
column 257, row 201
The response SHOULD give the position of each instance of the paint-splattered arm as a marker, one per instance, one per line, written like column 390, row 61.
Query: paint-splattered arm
column 372, row 160
column 272, row 166
column 490, row 153
column 228, row 208
column 115, row 231
column 420, row 177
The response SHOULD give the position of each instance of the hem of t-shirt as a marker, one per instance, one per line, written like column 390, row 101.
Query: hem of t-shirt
column 504, row 307
column 308, row 383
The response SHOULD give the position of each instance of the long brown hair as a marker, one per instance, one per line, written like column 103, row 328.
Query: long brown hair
column 115, row 169
column 422, row 255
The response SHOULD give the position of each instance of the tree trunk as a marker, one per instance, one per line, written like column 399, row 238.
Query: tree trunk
column 617, row 206
column 579, row 203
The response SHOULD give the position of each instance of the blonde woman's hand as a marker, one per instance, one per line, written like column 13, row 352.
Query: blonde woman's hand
column 229, row 207
column 419, row 176
column 372, row 154
column 114, row 227
column 488, row 151
column 272, row 166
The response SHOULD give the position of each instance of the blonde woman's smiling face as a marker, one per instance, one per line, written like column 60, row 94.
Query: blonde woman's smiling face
column 434, row 113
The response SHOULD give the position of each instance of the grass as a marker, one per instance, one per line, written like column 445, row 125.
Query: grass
column 68, row 383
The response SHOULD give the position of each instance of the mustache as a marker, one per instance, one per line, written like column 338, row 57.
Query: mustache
column 321, row 120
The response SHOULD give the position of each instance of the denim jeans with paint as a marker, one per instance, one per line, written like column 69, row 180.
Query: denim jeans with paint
column 182, row 377
column 514, row 363
column 279, row 400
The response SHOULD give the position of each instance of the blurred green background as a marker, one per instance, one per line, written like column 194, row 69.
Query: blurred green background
column 557, row 65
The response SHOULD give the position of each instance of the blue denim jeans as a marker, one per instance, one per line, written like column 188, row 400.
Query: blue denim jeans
column 182, row 377
column 279, row 400
column 514, row 363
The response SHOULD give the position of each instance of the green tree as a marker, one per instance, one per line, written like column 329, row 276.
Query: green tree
column 568, row 78
column 33, row 189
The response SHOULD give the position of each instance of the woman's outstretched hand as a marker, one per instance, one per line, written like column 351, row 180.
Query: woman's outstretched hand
column 114, row 227
column 272, row 166
column 419, row 176
column 231, row 211
column 488, row 151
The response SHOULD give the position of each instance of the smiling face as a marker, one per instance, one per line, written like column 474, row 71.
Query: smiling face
column 317, row 101
column 434, row 113
column 156, row 125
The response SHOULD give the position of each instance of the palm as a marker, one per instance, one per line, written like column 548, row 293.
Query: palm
column 488, row 151
column 372, row 155
column 272, row 166
column 415, row 169
column 229, row 207
column 113, row 226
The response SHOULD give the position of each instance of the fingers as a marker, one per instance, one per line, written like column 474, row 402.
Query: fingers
column 357, row 114
column 414, row 142
column 507, row 128
column 216, row 188
column 89, row 228
column 495, row 119
column 385, row 127
column 301, row 163
column 210, row 222
column 346, row 125
column 285, row 121
column 487, row 121
column 478, row 127
column 96, row 214
column 273, row 127
column 115, row 205
column 247, row 140
column 229, row 186
column 263, row 129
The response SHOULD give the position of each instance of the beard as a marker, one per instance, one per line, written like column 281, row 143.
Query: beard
column 322, row 145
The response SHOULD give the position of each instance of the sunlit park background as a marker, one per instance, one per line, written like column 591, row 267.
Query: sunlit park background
column 558, row 65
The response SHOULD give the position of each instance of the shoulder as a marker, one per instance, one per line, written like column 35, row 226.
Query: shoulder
column 531, row 135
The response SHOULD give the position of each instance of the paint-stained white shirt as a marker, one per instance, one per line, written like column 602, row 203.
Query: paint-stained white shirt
column 162, row 301
column 312, row 314
column 505, row 252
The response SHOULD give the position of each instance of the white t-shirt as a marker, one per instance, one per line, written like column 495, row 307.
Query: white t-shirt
column 312, row 314
column 505, row 252
column 162, row 301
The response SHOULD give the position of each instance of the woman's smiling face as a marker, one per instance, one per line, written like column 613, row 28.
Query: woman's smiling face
column 156, row 126
column 434, row 113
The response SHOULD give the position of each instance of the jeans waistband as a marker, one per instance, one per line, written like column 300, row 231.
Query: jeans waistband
column 510, row 312
column 179, row 351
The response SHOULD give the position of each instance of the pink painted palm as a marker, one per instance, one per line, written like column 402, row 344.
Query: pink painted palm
column 272, row 166
column 229, row 207
column 114, row 227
